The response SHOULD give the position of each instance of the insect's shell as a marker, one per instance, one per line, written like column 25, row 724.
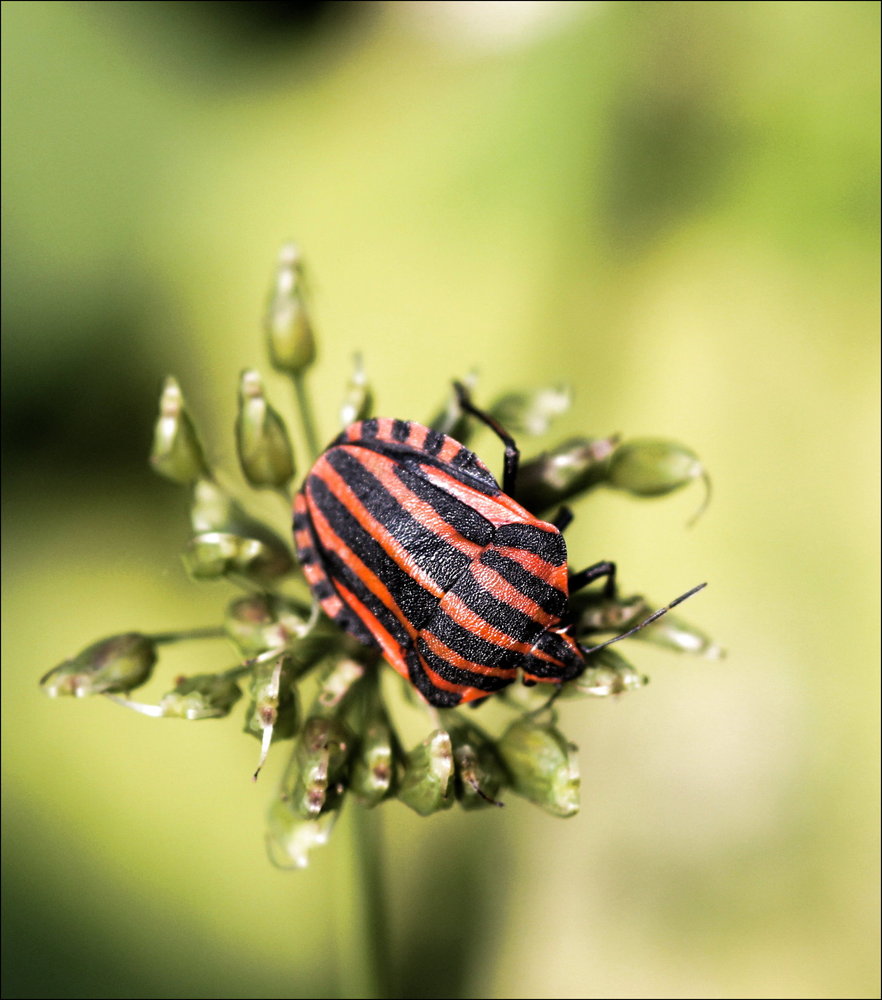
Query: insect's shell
column 410, row 545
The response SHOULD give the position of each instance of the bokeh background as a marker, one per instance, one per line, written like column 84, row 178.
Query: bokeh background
column 672, row 207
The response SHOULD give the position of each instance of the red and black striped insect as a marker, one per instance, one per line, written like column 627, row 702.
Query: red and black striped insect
column 409, row 543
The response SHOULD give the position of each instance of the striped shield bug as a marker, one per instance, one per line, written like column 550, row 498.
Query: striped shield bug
column 409, row 543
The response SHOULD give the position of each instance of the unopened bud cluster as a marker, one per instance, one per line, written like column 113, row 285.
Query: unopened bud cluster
column 300, row 678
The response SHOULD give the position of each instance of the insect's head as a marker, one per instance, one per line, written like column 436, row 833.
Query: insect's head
column 555, row 657
column 558, row 657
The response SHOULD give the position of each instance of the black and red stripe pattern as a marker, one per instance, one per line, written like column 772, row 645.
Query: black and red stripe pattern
column 409, row 544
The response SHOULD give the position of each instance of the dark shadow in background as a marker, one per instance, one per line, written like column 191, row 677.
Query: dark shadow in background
column 241, row 35
column 90, row 406
column 254, row 22
column 84, row 410
column 54, row 947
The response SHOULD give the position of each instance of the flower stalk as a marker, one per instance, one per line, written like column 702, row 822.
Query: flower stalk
column 347, row 755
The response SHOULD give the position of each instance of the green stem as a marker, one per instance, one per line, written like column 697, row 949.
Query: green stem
column 363, row 928
column 363, row 948
column 286, row 495
column 241, row 670
column 304, row 405
column 210, row 632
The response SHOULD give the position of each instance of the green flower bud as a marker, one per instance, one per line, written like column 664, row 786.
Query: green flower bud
column 479, row 772
column 261, row 622
column 213, row 509
column 262, row 625
column 358, row 400
column 290, row 838
column 651, row 468
column 261, row 563
column 177, row 453
column 541, row 765
column 288, row 328
column 261, row 438
column 531, row 412
column 273, row 712
column 312, row 782
column 216, row 554
column 594, row 612
column 202, row 696
column 264, row 557
column 428, row 769
column 671, row 632
column 373, row 767
column 116, row 664
column 211, row 556
column 572, row 468
column 336, row 686
column 607, row 673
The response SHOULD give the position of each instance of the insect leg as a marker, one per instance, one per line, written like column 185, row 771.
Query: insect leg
column 596, row 572
column 512, row 454
column 562, row 519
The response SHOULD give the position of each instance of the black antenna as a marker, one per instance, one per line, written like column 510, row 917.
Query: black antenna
column 646, row 621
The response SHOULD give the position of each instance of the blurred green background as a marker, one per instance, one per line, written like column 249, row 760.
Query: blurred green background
column 671, row 206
